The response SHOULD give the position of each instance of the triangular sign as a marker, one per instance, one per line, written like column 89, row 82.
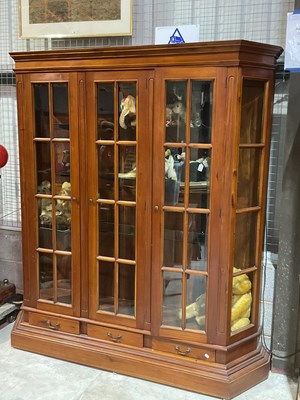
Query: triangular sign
column 176, row 37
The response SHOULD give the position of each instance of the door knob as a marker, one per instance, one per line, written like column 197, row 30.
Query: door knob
column 156, row 208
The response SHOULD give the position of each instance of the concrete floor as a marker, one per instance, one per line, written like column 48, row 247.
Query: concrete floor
column 28, row 376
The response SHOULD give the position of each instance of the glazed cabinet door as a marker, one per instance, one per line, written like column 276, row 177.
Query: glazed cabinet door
column 184, row 140
column 49, row 152
column 118, row 195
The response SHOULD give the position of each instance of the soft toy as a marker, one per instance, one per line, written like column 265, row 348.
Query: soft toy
column 128, row 112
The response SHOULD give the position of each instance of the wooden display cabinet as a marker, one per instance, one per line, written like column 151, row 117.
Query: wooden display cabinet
column 143, row 177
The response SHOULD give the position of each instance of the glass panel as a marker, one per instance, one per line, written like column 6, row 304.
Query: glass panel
column 199, row 177
column 126, row 289
column 173, row 239
column 106, row 286
column 106, row 230
column 105, row 111
column 63, row 216
column 245, row 240
column 248, row 178
column 197, row 242
column 127, row 111
column 127, row 173
column 62, row 167
column 176, row 111
column 201, row 113
column 45, row 222
column 46, row 276
column 241, row 300
column 64, row 279
column 127, row 232
column 195, row 312
column 41, row 110
column 106, row 171
column 174, row 175
column 172, row 298
column 252, row 111
column 43, row 165
column 60, row 110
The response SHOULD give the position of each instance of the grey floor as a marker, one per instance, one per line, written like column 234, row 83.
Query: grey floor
column 28, row 376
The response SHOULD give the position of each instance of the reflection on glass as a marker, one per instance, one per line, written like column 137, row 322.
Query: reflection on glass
column 197, row 241
column 248, row 178
column 62, row 166
column 106, row 171
column 41, row 110
column 46, row 276
column 252, row 111
column 195, row 312
column 106, row 230
column 172, row 298
column 126, row 289
column 199, row 177
column 201, row 112
column 127, row 173
column 245, row 240
column 60, row 110
column 64, row 279
column 127, row 232
column 176, row 92
column 43, row 165
column 241, row 300
column 105, row 111
column 106, row 286
column 127, row 111
column 173, row 239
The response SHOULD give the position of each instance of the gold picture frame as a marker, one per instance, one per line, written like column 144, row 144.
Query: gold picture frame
column 74, row 18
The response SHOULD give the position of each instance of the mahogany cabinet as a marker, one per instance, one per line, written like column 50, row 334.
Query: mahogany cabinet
column 143, row 177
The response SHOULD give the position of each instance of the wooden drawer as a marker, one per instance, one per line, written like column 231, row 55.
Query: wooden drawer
column 54, row 323
column 184, row 350
column 115, row 335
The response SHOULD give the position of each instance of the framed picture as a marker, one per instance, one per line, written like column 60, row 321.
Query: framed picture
column 74, row 18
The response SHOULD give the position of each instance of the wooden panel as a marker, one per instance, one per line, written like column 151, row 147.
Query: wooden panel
column 115, row 335
column 54, row 323
column 184, row 350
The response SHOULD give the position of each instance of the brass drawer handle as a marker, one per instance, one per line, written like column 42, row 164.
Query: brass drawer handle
column 182, row 353
column 53, row 327
column 114, row 339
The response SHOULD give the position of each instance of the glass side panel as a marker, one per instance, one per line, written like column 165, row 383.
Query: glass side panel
column 172, row 298
column 241, row 300
column 127, row 173
column 43, row 166
column 60, row 98
column 248, row 177
column 106, row 171
column 106, row 230
column 126, row 289
column 46, row 281
column 173, row 239
column 245, row 240
column 195, row 311
column 197, row 247
column 127, row 111
column 106, row 286
column 41, row 110
column 64, row 279
column 62, row 168
column 175, row 117
column 105, row 111
column 252, row 111
column 127, row 232
column 201, row 112
column 174, row 176
column 199, row 178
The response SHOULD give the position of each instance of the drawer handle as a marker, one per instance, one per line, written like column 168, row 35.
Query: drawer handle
column 53, row 327
column 114, row 339
column 182, row 353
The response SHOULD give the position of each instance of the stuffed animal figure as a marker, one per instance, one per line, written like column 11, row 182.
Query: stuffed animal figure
column 128, row 112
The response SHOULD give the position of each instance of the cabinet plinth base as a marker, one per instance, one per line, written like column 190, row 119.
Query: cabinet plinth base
column 224, row 381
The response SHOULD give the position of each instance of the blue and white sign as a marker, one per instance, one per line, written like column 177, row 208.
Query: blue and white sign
column 177, row 34
column 292, row 45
